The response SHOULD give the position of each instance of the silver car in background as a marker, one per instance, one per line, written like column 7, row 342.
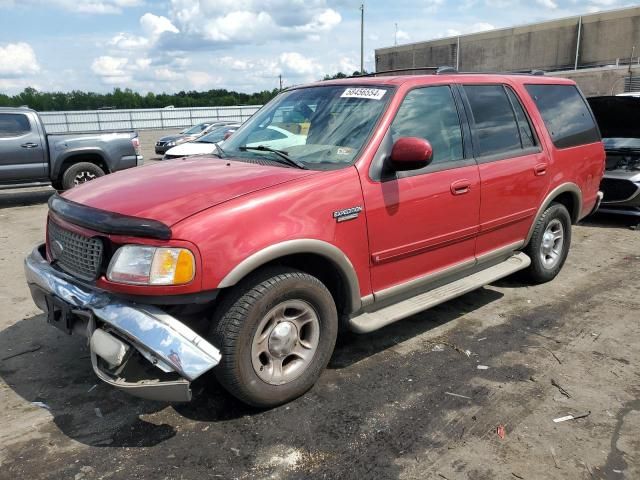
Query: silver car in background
column 187, row 135
column 617, row 117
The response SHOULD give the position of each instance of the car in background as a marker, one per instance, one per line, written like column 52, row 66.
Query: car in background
column 204, row 145
column 617, row 117
column 271, row 137
column 31, row 157
column 186, row 135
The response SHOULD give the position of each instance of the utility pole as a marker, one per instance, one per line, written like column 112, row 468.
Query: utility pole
column 280, row 77
column 395, row 37
column 362, row 39
column 633, row 50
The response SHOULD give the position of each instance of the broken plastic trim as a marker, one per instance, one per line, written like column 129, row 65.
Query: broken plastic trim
column 146, row 328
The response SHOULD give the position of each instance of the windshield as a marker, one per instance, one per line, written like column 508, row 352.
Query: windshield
column 321, row 127
column 216, row 135
column 195, row 129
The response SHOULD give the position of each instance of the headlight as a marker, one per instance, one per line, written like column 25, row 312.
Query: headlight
column 143, row 265
column 170, row 144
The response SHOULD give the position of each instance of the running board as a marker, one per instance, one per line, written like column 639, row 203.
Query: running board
column 368, row 322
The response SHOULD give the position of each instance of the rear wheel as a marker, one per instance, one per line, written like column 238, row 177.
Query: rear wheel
column 549, row 244
column 276, row 333
column 80, row 173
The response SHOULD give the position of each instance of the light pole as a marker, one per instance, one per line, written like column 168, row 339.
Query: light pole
column 362, row 39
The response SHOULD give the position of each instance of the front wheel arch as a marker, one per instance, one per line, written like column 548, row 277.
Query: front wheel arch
column 315, row 257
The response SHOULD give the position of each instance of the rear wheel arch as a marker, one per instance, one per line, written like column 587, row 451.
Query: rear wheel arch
column 73, row 158
column 315, row 257
column 567, row 194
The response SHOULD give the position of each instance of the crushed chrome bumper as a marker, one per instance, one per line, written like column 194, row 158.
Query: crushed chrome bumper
column 168, row 345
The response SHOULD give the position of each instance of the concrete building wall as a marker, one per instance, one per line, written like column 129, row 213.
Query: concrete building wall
column 600, row 81
column 549, row 46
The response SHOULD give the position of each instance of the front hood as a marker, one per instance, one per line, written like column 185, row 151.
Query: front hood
column 192, row 148
column 171, row 191
column 617, row 117
column 170, row 138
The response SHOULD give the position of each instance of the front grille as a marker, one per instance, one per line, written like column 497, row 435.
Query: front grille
column 74, row 253
column 617, row 190
column 160, row 144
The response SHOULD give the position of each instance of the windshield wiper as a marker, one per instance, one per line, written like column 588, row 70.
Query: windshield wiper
column 281, row 153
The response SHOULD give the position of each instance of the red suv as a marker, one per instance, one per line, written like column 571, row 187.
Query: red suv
column 391, row 195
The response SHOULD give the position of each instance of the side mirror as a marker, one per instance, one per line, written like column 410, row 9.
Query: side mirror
column 411, row 153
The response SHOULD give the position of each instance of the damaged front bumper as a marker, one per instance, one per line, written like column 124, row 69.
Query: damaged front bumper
column 137, row 348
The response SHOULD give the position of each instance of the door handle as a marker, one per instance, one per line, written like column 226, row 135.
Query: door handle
column 540, row 169
column 460, row 187
column 29, row 145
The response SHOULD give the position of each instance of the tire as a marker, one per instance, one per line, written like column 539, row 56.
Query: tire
column 79, row 173
column 255, row 327
column 549, row 244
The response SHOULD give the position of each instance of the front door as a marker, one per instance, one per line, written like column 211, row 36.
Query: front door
column 422, row 222
column 21, row 150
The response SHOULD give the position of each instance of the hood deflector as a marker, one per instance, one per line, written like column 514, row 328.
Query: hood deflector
column 107, row 222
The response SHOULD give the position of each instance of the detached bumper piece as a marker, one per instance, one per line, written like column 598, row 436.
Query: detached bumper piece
column 139, row 349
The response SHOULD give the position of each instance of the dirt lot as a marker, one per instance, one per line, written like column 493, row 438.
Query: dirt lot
column 398, row 403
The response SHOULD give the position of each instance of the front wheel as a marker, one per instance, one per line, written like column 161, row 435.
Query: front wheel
column 549, row 244
column 276, row 333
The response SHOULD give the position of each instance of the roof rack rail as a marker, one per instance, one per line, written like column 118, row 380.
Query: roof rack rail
column 396, row 70
column 446, row 69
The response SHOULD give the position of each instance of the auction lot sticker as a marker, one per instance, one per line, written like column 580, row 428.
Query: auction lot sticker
column 370, row 93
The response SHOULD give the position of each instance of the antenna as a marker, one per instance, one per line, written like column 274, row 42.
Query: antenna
column 362, row 38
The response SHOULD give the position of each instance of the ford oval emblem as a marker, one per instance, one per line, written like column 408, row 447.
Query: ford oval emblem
column 57, row 248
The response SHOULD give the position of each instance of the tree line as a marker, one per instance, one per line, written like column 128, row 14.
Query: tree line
column 127, row 98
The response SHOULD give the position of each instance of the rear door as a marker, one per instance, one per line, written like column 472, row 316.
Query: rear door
column 512, row 164
column 423, row 222
column 22, row 155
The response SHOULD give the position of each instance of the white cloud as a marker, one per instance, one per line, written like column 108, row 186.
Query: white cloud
column 480, row 27
column 252, row 21
column 126, row 41
column 153, row 27
column 433, row 5
column 17, row 60
column 402, row 36
column 112, row 70
column 298, row 65
column 93, row 7
column 156, row 25
column 547, row 4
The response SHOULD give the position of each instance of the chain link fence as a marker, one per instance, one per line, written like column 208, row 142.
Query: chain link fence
column 141, row 119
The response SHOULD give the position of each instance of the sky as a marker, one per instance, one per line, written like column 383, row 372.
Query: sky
column 242, row 45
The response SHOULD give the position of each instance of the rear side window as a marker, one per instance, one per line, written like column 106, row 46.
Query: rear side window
column 13, row 125
column 496, row 129
column 565, row 114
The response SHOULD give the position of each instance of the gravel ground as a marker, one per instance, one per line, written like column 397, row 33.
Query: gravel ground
column 402, row 402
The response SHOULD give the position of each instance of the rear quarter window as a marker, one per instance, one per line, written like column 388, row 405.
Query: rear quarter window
column 565, row 114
